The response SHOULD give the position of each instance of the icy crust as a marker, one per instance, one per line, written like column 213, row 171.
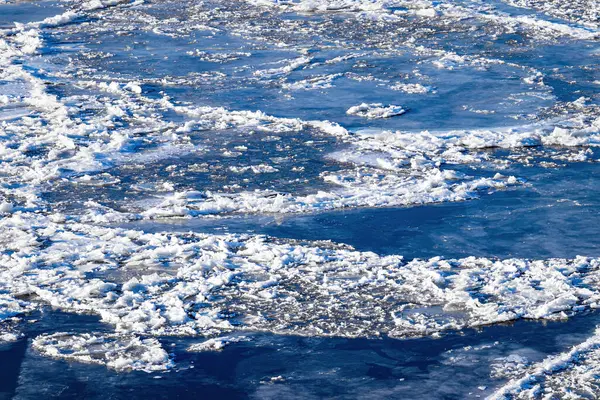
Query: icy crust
column 147, row 285
column 390, row 10
column 119, row 352
column 390, row 169
column 571, row 375
column 360, row 187
column 323, row 6
column 412, row 88
column 111, row 133
column 319, row 82
column 218, row 57
column 197, row 284
column 394, row 150
column 584, row 12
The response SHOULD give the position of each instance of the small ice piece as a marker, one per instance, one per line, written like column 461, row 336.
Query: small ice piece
column 272, row 380
column 375, row 111
column 9, row 337
column 290, row 66
column 429, row 12
column 412, row 88
column 133, row 87
column 6, row 207
column 216, row 344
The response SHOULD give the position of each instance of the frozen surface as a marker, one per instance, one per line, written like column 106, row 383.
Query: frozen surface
column 213, row 181
column 120, row 353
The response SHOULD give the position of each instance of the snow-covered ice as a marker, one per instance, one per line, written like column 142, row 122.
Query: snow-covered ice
column 116, row 112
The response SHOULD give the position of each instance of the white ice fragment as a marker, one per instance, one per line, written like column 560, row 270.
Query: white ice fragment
column 291, row 65
column 375, row 110
column 6, row 207
column 122, row 353
column 412, row 88
column 426, row 12
column 216, row 344
column 133, row 87
column 9, row 337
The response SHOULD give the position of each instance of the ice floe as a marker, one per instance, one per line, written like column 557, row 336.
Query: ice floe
column 570, row 375
column 375, row 110
column 122, row 353
column 362, row 187
column 198, row 284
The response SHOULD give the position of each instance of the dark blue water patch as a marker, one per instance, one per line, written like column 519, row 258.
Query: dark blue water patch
column 12, row 355
column 278, row 366
column 554, row 216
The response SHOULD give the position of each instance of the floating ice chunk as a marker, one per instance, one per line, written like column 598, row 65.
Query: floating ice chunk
column 112, row 87
column 133, row 87
column 317, row 82
column 412, row 88
column 28, row 41
column 218, row 57
column 94, row 5
column 119, row 352
column 426, row 12
column 536, row 79
column 324, row 6
column 375, row 111
column 549, row 27
column 450, row 61
column 458, row 11
column 363, row 187
column 58, row 20
column 584, row 12
column 460, row 146
column 330, row 128
column 216, row 344
column 290, row 66
column 11, row 307
column 6, row 207
column 179, row 284
column 257, row 169
column 512, row 366
column 572, row 374
column 9, row 336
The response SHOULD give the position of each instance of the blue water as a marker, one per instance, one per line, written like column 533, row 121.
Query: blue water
column 556, row 217
column 553, row 214
column 312, row 367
